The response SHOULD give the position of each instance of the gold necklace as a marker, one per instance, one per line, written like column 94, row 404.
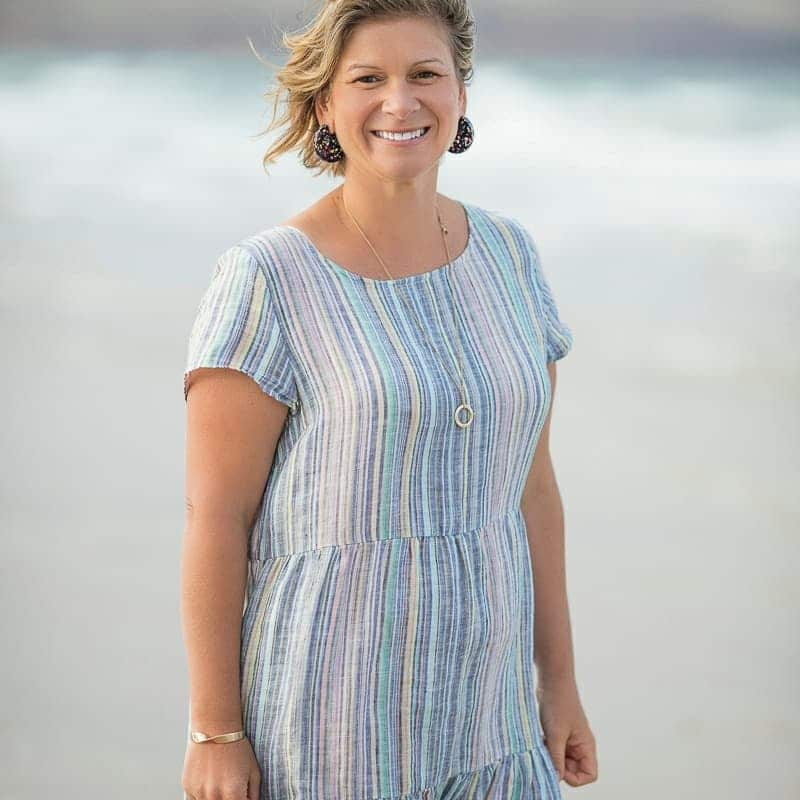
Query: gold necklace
column 464, row 406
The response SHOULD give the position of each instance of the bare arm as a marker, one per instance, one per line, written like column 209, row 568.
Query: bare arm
column 566, row 729
column 232, row 430
column 544, row 520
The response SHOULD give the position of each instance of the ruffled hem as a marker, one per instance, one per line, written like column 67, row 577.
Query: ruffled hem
column 525, row 775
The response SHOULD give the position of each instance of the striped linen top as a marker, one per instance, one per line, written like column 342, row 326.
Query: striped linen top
column 387, row 635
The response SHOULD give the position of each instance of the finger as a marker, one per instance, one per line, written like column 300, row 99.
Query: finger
column 582, row 758
column 580, row 772
column 556, row 746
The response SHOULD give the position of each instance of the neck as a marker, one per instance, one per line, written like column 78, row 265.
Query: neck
column 392, row 215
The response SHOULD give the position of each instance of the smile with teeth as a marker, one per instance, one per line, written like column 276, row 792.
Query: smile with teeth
column 401, row 137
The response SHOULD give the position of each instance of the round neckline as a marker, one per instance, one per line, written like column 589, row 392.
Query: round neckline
column 419, row 276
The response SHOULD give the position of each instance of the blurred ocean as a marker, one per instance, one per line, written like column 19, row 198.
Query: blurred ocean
column 664, row 198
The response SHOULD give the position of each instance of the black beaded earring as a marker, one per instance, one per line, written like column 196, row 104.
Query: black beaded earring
column 464, row 137
column 326, row 145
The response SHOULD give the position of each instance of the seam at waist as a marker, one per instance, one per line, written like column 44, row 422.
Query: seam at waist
column 376, row 542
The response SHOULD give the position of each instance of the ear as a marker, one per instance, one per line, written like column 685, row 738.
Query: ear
column 322, row 107
column 462, row 99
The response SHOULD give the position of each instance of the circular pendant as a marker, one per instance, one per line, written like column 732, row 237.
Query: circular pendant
column 468, row 421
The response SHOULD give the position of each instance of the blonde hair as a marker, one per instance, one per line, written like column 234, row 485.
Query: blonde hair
column 314, row 53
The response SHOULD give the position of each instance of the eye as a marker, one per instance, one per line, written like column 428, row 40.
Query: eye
column 423, row 72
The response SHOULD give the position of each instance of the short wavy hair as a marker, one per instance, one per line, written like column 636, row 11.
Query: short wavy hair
column 314, row 53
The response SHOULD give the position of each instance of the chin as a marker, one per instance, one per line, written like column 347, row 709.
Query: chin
column 406, row 163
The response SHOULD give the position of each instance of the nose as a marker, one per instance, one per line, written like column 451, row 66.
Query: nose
column 399, row 100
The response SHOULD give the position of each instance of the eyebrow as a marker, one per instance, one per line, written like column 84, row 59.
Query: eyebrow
column 372, row 66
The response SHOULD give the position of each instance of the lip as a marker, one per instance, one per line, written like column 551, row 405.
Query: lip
column 402, row 142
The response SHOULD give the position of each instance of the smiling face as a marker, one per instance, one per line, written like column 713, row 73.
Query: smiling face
column 394, row 75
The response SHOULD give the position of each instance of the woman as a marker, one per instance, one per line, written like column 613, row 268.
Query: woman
column 367, row 384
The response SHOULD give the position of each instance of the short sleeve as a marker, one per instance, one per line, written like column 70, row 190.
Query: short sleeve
column 558, row 335
column 237, row 326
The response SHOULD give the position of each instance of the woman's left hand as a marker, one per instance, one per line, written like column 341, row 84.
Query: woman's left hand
column 567, row 734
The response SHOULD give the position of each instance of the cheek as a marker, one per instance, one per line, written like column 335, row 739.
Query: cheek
column 445, row 105
column 353, row 113
column 360, row 125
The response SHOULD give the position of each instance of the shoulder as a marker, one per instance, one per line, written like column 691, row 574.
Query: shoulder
column 503, row 235
column 284, row 250
column 501, row 221
column 270, row 252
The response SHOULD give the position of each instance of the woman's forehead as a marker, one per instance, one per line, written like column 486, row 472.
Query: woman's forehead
column 372, row 41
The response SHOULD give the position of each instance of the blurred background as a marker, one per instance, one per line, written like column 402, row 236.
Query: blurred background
column 653, row 152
